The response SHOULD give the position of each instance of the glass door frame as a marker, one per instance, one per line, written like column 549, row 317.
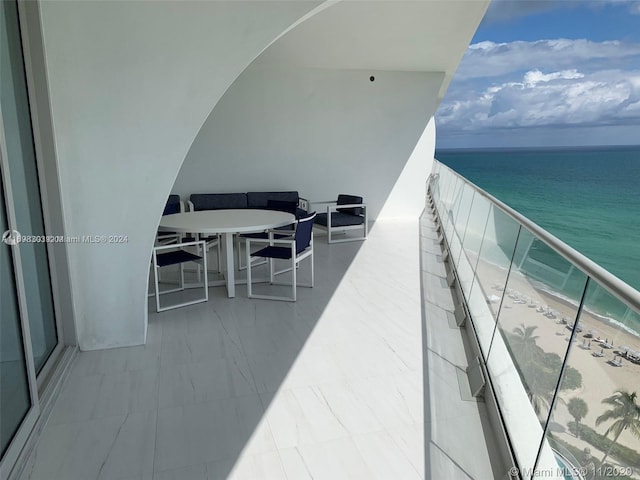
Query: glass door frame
column 21, row 436
column 45, row 372
column 32, row 57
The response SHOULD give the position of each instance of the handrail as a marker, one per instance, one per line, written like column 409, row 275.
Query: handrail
column 616, row 287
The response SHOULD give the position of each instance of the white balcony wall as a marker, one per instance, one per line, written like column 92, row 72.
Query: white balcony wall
column 316, row 130
column 406, row 199
column 131, row 83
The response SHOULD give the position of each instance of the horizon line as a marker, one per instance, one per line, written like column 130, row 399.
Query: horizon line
column 557, row 147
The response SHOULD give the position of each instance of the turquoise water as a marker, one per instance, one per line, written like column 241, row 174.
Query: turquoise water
column 588, row 198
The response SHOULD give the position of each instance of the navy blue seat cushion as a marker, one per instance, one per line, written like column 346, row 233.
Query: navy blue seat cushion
column 303, row 238
column 339, row 219
column 261, row 199
column 282, row 206
column 218, row 201
column 175, row 257
column 349, row 200
column 172, row 206
column 283, row 253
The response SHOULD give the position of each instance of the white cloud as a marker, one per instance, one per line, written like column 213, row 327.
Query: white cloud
column 546, row 89
column 532, row 78
column 558, row 82
column 490, row 59
column 535, row 99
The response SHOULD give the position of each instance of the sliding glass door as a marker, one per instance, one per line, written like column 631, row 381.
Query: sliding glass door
column 23, row 175
column 15, row 396
column 29, row 333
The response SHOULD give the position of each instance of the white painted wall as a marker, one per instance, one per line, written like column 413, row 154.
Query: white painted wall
column 320, row 131
column 407, row 197
column 131, row 83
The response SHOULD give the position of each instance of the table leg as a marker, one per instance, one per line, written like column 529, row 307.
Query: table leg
column 231, row 269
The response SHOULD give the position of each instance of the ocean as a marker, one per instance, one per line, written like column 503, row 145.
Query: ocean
column 587, row 197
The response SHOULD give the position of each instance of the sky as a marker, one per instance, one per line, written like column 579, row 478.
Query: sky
column 543, row 73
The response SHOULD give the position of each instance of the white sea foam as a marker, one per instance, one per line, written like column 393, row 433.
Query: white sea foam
column 603, row 317
column 615, row 322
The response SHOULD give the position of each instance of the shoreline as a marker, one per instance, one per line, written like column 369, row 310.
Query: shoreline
column 612, row 322
column 601, row 378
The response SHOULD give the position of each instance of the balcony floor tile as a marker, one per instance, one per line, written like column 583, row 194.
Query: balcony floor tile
column 330, row 387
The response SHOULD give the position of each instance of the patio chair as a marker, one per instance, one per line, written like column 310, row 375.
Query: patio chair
column 347, row 213
column 287, row 202
column 276, row 233
column 175, row 254
column 295, row 249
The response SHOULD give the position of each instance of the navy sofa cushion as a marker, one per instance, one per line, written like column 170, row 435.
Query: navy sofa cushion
column 218, row 201
column 282, row 206
column 340, row 219
column 261, row 199
column 349, row 200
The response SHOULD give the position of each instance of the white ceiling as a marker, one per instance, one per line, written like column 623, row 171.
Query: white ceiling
column 416, row 35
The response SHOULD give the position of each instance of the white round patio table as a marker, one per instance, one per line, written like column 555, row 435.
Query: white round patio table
column 226, row 223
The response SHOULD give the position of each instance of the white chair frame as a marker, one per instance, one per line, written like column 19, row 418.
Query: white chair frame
column 216, row 242
column 208, row 245
column 201, row 247
column 303, row 203
column 332, row 206
column 295, row 263
column 272, row 233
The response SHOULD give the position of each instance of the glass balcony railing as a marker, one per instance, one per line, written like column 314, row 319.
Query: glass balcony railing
column 559, row 337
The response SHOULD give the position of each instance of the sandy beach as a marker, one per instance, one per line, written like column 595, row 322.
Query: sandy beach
column 524, row 304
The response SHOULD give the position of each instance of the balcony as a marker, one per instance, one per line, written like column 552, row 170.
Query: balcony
column 374, row 372
column 361, row 378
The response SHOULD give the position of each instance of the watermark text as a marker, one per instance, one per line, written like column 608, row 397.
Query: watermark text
column 13, row 237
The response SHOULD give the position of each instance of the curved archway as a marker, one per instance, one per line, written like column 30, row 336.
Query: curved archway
column 130, row 85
